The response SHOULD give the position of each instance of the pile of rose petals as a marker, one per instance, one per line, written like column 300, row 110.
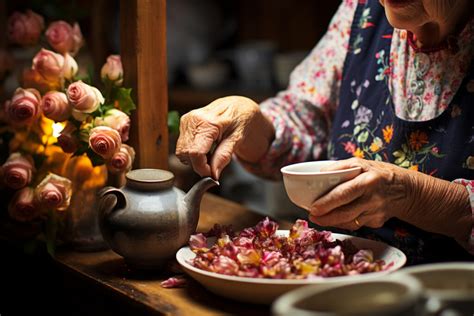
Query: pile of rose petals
column 258, row 252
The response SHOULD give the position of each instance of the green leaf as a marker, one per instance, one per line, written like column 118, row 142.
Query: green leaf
column 173, row 122
column 400, row 160
column 124, row 99
column 405, row 164
column 405, row 148
column 398, row 154
column 355, row 104
column 437, row 155
column 378, row 157
column 362, row 138
column 356, row 130
column 95, row 158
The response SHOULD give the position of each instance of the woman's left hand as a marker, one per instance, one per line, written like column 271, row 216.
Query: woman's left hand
column 378, row 193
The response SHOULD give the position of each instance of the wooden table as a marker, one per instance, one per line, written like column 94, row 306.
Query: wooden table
column 109, row 271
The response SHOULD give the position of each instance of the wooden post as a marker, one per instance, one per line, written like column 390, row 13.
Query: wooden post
column 143, row 51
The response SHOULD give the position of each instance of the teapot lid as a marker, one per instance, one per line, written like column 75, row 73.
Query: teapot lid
column 149, row 179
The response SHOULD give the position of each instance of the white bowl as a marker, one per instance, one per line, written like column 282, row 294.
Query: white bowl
column 304, row 182
column 446, row 285
column 388, row 295
column 265, row 291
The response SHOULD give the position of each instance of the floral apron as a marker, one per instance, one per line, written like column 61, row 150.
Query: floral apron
column 366, row 126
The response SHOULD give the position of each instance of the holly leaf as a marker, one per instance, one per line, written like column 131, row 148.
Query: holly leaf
column 173, row 122
column 95, row 158
column 124, row 99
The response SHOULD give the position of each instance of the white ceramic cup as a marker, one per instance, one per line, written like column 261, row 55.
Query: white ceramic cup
column 389, row 296
column 304, row 182
column 448, row 287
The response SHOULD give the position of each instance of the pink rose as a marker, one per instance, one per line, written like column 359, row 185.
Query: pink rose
column 24, row 107
column 113, row 70
column 104, row 141
column 117, row 120
column 64, row 38
column 54, row 192
column 70, row 67
column 67, row 140
column 84, row 98
column 22, row 207
column 49, row 65
column 122, row 160
column 25, row 28
column 55, row 106
column 18, row 171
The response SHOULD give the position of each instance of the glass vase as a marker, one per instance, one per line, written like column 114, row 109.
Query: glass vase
column 81, row 228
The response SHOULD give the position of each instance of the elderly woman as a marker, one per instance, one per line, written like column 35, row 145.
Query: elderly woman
column 391, row 84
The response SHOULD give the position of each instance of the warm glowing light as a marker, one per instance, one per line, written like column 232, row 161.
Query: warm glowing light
column 57, row 128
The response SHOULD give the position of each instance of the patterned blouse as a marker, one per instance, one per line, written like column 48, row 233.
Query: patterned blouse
column 309, row 115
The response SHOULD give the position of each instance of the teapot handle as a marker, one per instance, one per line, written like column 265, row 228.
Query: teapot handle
column 111, row 199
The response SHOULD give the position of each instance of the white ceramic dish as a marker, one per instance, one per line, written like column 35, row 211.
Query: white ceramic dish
column 265, row 291
column 394, row 295
column 304, row 182
column 447, row 286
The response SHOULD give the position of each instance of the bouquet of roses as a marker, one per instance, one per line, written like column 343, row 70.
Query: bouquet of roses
column 56, row 115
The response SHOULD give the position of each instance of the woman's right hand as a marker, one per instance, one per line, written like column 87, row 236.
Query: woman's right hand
column 235, row 124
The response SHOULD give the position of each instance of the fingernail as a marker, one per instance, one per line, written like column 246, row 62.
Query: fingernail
column 218, row 174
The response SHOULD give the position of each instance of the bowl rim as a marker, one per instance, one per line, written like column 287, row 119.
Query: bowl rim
column 286, row 303
column 284, row 170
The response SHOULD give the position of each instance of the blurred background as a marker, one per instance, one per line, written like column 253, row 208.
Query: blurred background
column 215, row 48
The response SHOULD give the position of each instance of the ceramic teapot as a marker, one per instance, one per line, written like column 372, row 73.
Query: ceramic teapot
column 148, row 219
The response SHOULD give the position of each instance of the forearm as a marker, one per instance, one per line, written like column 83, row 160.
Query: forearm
column 438, row 206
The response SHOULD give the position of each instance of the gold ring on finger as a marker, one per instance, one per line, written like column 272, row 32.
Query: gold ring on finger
column 356, row 221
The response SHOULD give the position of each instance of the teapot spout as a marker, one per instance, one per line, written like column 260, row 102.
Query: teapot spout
column 194, row 196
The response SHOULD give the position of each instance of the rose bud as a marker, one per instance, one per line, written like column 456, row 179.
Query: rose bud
column 54, row 192
column 49, row 65
column 55, row 106
column 70, row 67
column 104, row 141
column 67, row 140
column 22, row 206
column 18, row 171
column 117, row 120
column 84, row 98
column 64, row 38
column 25, row 28
column 113, row 70
column 122, row 160
column 24, row 107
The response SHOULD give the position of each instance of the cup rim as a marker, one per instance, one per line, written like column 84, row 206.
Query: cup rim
column 284, row 170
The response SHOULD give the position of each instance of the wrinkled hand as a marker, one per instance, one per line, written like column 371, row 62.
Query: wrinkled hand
column 231, row 124
column 378, row 193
